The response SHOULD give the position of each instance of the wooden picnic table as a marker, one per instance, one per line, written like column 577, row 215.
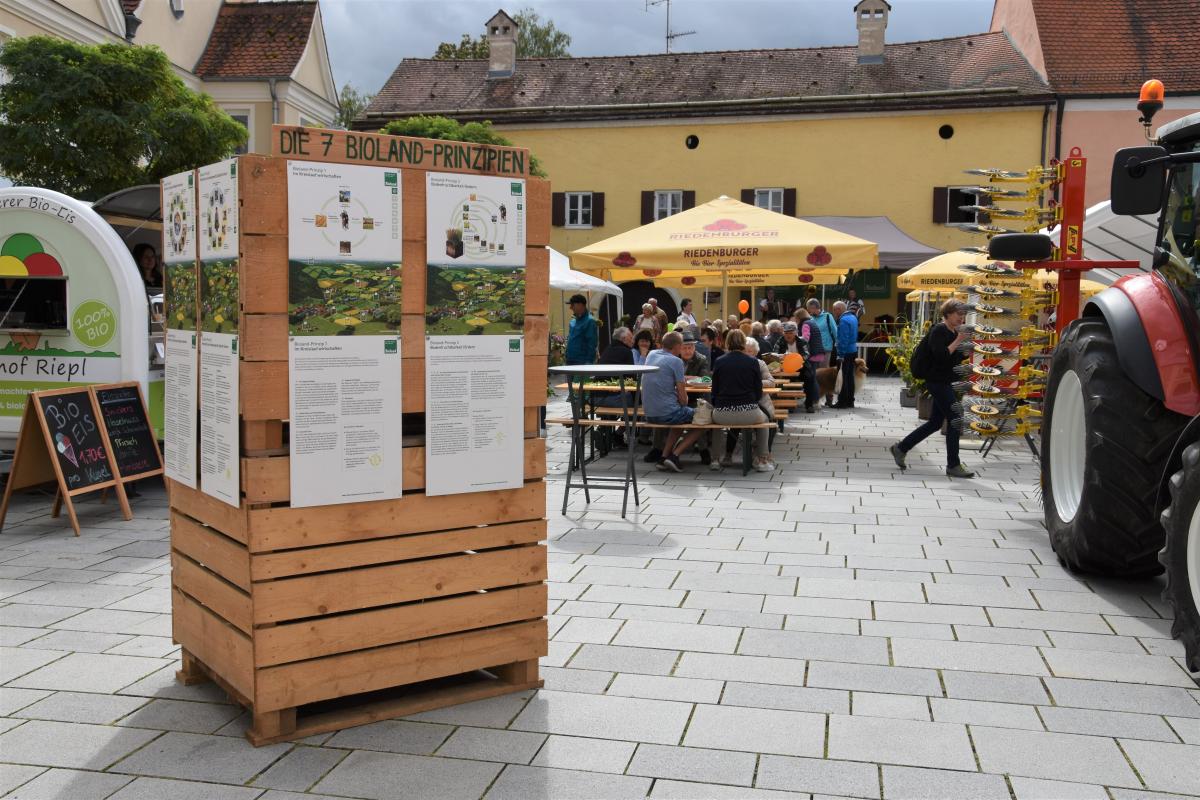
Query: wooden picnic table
column 691, row 389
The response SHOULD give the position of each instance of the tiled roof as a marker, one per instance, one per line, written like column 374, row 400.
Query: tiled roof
column 974, row 67
column 1112, row 46
column 257, row 40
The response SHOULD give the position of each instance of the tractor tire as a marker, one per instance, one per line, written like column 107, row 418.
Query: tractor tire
column 1105, row 447
column 1180, row 555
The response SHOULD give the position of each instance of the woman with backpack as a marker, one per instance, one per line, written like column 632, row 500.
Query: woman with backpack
column 934, row 360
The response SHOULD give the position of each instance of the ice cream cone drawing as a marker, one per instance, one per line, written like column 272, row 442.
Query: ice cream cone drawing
column 64, row 446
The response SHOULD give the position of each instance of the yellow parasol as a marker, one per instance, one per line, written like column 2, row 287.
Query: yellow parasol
column 942, row 274
column 726, row 235
column 1042, row 279
column 682, row 279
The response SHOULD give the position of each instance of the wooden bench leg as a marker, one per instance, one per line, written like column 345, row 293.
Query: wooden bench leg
column 190, row 672
column 747, row 450
column 519, row 672
column 272, row 724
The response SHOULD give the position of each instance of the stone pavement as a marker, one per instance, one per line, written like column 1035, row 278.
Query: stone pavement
column 832, row 629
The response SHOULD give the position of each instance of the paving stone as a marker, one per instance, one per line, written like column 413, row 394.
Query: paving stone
column 75, row 745
column 81, row 641
column 190, row 756
column 908, row 630
column 1013, row 659
column 522, row 783
column 684, row 790
column 1188, row 729
column 828, row 646
column 707, row 766
column 1097, row 642
column 179, row 715
column 631, row 594
column 621, row 576
column 818, row 607
column 819, row 775
column 591, row 755
column 100, row 709
column 1127, row 668
column 300, row 768
column 88, row 595
column 744, row 584
column 576, row 680
column 757, row 730
column 743, row 619
column 991, row 686
column 979, row 712
column 13, row 775
column 1165, row 767
column 90, row 672
column 625, row 659
column 1085, row 602
column 108, row 620
column 724, row 601
column 1038, row 789
column 865, row 677
column 1122, row 697
column 702, row 638
column 978, row 633
column 35, row 616
column 909, row 783
column 786, row 698
column 393, row 736
column 13, row 700
column 1118, row 724
column 69, row 783
column 162, row 683
column 897, row 741
column 655, row 687
column 1057, row 756
column 657, row 613
column 655, row 721
column 159, row 788
column 894, row 706
column 483, row 744
column 17, row 661
column 758, row 669
column 927, row 612
column 588, row 629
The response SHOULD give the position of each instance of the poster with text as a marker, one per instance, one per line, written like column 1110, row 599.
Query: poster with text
column 474, row 321
column 180, row 344
column 344, row 291
column 220, row 308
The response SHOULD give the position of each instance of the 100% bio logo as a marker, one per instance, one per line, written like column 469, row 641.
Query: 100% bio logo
column 93, row 323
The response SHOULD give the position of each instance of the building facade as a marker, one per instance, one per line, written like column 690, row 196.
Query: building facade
column 262, row 62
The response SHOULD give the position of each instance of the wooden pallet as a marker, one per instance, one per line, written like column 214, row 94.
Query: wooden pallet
column 320, row 618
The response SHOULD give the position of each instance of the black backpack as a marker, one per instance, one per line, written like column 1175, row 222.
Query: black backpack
column 921, row 362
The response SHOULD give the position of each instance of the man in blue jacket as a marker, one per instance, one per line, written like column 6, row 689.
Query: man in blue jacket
column 847, row 347
column 583, row 336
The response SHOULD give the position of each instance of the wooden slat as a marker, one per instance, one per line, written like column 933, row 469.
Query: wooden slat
column 212, row 512
column 263, row 274
column 537, row 220
column 412, row 200
column 269, row 566
column 405, row 582
column 264, row 389
column 223, row 648
column 221, row 597
column 532, row 423
column 224, row 556
column 412, row 274
column 537, row 336
column 268, row 480
column 537, row 281
column 395, row 665
column 262, row 437
column 285, row 528
column 280, row 644
column 262, row 191
column 264, row 337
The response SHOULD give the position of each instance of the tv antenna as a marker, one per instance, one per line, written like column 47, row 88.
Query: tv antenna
column 671, row 35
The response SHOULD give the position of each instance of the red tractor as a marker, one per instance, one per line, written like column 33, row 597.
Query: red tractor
column 1120, row 461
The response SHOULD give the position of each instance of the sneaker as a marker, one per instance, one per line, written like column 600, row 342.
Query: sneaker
column 653, row 456
column 959, row 471
column 726, row 461
column 764, row 466
column 661, row 465
column 810, row 410
column 715, row 466
column 898, row 454
column 671, row 463
column 705, row 457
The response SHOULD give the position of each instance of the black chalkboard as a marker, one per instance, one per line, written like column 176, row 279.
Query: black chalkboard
column 134, row 450
column 75, row 438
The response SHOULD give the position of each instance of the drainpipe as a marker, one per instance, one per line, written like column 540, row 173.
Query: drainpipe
column 1060, row 109
column 274, row 102
column 1045, row 132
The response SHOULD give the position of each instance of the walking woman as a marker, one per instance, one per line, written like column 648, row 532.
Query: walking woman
column 943, row 341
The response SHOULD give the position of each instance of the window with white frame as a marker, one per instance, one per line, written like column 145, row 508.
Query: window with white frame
column 770, row 199
column 245, row 118
column 579, row 209
column 667, row 203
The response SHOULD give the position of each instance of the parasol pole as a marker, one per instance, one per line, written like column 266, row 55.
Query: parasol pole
column 724, row 294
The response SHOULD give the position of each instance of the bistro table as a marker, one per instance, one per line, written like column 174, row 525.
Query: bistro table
column 577, row 378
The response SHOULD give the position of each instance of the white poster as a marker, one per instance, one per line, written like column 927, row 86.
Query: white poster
column 179, row 297
column 474, row 390
column 179, row 407
column 220, row 316
column 474, row 325
column 344, row 290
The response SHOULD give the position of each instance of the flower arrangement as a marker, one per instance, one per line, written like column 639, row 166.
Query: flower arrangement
column 900, row 349
column 558, row 350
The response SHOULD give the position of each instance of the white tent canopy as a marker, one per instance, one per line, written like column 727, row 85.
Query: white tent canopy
column 1111, row 237
column 564, row 278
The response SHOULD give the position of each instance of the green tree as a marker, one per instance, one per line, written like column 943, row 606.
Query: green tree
column 426, row 127
column 86, row 120
column 351, row 103
column 535, row 39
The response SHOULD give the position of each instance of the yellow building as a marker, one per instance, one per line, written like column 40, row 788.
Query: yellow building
column 261, row 62
column 867, row 131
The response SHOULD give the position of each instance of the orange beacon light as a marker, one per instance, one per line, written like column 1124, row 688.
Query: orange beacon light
column 1150, row 101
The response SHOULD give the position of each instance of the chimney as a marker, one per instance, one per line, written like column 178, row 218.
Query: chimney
column 501, row 35
column 871, row 16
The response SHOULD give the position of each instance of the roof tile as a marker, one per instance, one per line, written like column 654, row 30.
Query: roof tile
column 257, row 40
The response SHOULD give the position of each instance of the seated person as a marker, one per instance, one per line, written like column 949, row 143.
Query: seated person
column 737, row 388
column 664, row 397
column 643, row 343
column 694, row 364
column 793, row 342
column 620, row 351
column 708, row 336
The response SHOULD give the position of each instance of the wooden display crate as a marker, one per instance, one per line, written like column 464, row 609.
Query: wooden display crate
column 321, row 618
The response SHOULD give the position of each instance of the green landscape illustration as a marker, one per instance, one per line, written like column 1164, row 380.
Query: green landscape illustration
column 219, row 301
column 180, row 296
column 474, row 300
column 327, row 298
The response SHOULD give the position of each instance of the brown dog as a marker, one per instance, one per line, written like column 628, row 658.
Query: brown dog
column 827, row 379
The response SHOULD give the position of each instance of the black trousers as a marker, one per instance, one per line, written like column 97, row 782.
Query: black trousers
column 846, row 396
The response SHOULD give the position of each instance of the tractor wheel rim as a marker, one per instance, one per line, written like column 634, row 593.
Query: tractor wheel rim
column 1068, row 447
column 1193, row 558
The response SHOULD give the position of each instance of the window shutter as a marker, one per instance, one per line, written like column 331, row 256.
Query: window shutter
column 941, row 204
column 748, row 196
column 647, row 207
column 597, row 209
column 789, row 202
column 689, row 199
column 558, row 209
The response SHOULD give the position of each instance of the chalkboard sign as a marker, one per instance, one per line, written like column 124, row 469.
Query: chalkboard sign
column 132, row 444
column 75, row 436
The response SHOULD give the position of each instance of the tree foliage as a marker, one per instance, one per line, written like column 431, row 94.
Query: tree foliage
column 87, row 120
column 426, row 127
column 535, row 39
column 351, row 103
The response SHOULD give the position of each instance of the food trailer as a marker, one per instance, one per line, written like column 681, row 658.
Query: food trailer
column 73, row 308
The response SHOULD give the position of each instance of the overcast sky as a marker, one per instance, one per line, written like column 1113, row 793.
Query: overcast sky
column 367, row 38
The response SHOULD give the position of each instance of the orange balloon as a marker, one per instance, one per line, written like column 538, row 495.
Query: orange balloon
column 744, row 306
